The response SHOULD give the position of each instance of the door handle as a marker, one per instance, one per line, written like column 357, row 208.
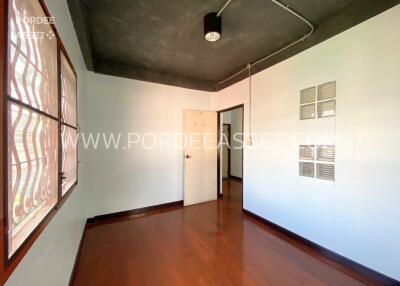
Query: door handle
column 188, row 156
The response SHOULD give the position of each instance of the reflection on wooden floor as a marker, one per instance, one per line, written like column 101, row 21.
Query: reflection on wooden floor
column 207, row 244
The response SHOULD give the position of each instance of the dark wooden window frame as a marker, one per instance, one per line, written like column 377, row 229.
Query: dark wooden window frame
column 61, row 49
column 8, row 265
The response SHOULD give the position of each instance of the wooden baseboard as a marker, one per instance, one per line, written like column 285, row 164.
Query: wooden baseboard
column 134, row 212
column 363, row 271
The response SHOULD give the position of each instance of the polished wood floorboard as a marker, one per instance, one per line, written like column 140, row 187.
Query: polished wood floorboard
column 207, row 244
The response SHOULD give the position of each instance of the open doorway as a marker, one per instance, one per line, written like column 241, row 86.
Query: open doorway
column 230, row 153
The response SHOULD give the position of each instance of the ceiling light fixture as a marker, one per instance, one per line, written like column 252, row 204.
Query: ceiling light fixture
column 212, row 27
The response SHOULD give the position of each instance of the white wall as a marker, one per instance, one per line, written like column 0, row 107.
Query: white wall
column 135, row 178
column 51, row 258
column 358, row 215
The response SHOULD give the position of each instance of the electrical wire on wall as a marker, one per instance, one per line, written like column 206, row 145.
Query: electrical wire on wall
column 250, row 139
column 301, row 39
column 251, row 65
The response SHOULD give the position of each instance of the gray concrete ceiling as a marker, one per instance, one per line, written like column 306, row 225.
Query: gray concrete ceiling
column 162, row 41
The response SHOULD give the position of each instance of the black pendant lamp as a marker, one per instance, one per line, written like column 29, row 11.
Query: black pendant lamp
column 212, row 27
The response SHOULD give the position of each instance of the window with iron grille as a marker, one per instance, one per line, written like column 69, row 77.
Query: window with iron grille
column 36, row 129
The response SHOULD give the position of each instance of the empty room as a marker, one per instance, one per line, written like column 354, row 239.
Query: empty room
column 212, row 142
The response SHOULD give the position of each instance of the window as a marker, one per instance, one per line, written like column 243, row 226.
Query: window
column 36, row 129
column 68, row 126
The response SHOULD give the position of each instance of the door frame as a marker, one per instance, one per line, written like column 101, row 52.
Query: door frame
column 219, row 112
column 229, row 150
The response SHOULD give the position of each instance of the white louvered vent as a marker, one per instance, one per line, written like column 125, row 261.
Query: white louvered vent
column 326, row 153
column 313, row 161
column 318, row 101
column 307, row 169
column 326, row 108
column 307, row 111
column 308, row 95
column 307, row 152
column 327, row 90
column 326, row 171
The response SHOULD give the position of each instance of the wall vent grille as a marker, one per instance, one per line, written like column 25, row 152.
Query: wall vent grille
column 326, row 171
column 307, row 152
column 326, row 153
column 317, row 161
column 327, row 90
column 326, row 108
column 307, row 111
column 307, row 169
column 318, row 101
column 308, row 95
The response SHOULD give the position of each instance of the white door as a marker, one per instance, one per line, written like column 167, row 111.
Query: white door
column 200, row 156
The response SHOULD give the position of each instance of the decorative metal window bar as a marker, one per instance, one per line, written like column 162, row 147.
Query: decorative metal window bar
column 34, row 123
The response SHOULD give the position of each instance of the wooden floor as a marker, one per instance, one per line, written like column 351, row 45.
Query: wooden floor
column 206, row 244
